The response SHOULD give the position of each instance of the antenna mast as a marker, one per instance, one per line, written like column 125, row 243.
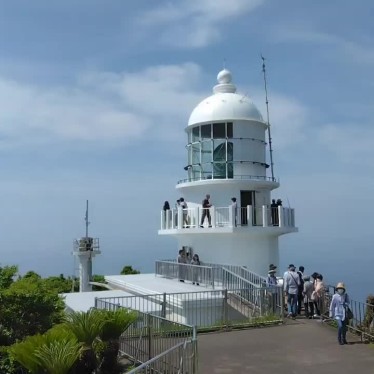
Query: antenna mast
column 86, row 219
column 268, row 119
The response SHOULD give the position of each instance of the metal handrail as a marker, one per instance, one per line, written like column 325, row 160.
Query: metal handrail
column 235, row 177
column 199, row 274
column 162, row 360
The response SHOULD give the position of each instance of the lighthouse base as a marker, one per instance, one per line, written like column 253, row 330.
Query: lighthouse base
column 254, row 252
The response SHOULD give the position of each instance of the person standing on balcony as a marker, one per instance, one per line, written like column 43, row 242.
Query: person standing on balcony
column 235, row 209
column 274, row 213
column 177, row 205
column 184, row 206
column 206, row 212
column 338, row 307
column 291, row 288
column 195, row 275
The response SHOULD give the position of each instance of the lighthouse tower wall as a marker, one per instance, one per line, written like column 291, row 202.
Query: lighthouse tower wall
column 255, row 252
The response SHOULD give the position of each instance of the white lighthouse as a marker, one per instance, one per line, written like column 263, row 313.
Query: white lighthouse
column 227, row 158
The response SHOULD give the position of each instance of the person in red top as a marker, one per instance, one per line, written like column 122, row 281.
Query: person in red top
column 206, row 213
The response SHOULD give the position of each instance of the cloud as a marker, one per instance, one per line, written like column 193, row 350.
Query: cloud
column 194, row 23
column 99, row 107
column 288, row 118
column 350, row 142
column 350, row 50
column 119, row 108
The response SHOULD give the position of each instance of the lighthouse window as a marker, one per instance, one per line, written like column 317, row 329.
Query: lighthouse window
column 229, row 130
column 196, row 134
column 206, row 131
column 219, row 130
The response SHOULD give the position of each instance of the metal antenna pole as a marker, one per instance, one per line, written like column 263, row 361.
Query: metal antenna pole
column 86, row 219
column 268, row 119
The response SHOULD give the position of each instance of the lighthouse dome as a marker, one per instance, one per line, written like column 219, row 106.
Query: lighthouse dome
column 225, row 104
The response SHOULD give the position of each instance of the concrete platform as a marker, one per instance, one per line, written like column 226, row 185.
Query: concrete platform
column 302, row 346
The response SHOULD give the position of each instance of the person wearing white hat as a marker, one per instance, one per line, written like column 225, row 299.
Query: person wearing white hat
column 338, row 311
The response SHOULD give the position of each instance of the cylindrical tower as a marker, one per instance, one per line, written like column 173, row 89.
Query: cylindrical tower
column 85, row 249
column 226, row 153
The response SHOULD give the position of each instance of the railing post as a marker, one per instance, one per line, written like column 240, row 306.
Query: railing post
column 180, row 218
column 149, row 332
column 281, row 296
column 194, row 350
column 197, row 222
column 168, row 218
column 249, row 215
column 213, row 216
column 225, row 307
column 280, row 216
column 231, row 216
column 264, row 216
column 163, row 308
column 163, row 219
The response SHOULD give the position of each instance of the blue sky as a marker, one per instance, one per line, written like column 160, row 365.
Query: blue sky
column 94, row 98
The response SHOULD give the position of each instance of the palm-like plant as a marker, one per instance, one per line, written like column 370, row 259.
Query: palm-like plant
column 24, row 353
column 59, row 356
column 54, row 352
column 86, row 327
column 115, row 323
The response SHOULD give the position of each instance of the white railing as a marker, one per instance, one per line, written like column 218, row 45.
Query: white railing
column 201, row 275
column 263, row 216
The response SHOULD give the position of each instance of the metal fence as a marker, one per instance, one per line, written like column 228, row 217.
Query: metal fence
column 208, row 274
column 158, row 344
column 179, row 359
column 202, row 275
column 362, row 323
column 212, row 309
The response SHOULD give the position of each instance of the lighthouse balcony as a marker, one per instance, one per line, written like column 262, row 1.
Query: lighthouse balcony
column 86, row 246
column 279, row 220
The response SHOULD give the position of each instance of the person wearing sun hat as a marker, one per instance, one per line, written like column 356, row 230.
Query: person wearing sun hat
column 338, row 308
column 272, row 284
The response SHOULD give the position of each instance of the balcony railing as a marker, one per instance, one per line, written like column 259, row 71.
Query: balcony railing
column 202, row 275
column 228, row 217
column 235, row 177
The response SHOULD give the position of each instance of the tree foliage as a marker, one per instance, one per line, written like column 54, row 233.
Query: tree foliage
column 7, row 275
column 127, row 270
column 29, row 307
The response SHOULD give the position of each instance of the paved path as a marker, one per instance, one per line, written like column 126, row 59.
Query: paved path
column 302, row 346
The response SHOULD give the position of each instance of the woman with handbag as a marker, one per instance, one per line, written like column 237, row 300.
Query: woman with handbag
column 339, row 308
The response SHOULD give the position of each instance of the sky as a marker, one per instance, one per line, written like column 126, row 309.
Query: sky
column 95, row 96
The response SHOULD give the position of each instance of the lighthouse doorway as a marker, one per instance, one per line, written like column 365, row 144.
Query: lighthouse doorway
column 246, row 198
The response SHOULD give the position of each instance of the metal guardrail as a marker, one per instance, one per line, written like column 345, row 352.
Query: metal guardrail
column 201, row 275
column 156, row 343
column 174, row 360
column 213, row 309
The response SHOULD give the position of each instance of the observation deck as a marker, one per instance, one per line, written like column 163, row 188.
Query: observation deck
column 266, row 220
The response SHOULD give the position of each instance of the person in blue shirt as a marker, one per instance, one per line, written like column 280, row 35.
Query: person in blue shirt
column 338, row 311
